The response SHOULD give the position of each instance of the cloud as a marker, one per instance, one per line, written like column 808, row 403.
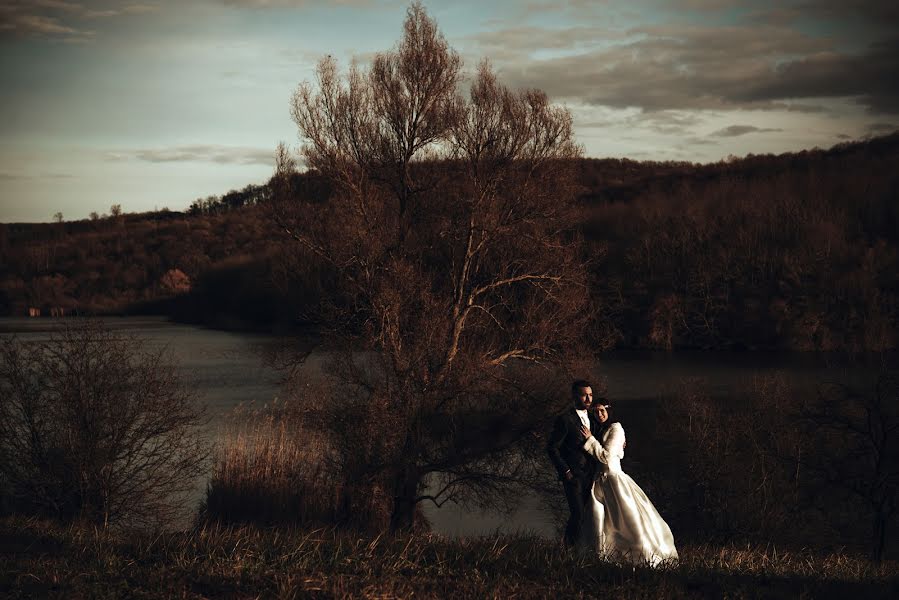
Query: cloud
column 40, row 25
column 882, row 127
column 139, row 9
column 292, row 3
column 737, row 130
column 31, row 177
column 223, row 155
column 702, row 5
column 523, row 40
column 57, row 19
column 690, row 67
column 792, row 106
column 101, row 14
column 871, row 76
column 675, row 127
column 670, row 122
column 885, row 12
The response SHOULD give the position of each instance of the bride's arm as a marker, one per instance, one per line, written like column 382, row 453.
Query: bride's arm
column 593, row 447
column 615, row 440
column 613, row 446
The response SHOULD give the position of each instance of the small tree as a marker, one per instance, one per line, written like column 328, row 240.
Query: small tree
column 94, row 427
column 449, row 260
column 175, row 281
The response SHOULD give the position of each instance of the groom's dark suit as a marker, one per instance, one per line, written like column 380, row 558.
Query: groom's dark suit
column 566, row 451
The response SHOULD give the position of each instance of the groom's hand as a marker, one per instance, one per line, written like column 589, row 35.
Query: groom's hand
column 585, row 434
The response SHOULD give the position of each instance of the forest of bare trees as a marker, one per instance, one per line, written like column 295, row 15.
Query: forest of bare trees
column 794, row 252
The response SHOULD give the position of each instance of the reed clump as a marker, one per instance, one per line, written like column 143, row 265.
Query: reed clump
column 274, row 466
column 269, row 468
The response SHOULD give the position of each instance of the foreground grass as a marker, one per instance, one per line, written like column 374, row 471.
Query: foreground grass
column 38, row 559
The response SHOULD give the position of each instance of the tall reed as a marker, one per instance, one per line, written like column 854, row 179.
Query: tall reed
column 271, row 468
column 275, row 466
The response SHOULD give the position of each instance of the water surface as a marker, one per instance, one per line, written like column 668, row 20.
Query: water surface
column 228, row 369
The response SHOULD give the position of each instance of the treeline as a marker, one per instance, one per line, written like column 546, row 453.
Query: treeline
column 248, row 196
column 116, row 265
column 797, row 251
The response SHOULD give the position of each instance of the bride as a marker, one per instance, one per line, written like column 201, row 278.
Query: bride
column 620, row 521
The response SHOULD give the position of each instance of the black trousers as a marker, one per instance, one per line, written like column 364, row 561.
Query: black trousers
column 577, row 492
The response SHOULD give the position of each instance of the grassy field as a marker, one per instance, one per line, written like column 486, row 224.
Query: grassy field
column 43, row 560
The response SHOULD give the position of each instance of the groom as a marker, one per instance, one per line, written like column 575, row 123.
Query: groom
column 575, row 466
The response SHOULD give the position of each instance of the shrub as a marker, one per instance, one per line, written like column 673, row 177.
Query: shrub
column 95, row 427
column 784, row 464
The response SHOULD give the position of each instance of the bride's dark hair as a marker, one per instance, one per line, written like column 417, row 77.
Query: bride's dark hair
column 604, row 426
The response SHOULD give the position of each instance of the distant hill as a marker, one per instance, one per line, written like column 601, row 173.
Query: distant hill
column 796, row 251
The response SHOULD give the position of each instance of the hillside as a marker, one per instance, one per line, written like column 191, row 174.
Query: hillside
column 796, row 251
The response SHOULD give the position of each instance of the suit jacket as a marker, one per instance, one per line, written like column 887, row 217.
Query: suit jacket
column 566, row 446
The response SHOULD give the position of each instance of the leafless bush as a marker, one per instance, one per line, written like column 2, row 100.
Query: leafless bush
column 783, row 464
column 854, row 436
column 732, row 472
column 95, row 427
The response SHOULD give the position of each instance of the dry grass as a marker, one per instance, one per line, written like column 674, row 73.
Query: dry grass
column 271, row 469
column 275, row 466
column 44, row 560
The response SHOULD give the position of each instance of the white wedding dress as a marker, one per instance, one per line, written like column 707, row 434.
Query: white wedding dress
column 620, row 522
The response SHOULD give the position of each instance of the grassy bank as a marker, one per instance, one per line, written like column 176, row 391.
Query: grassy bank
column 43, row 560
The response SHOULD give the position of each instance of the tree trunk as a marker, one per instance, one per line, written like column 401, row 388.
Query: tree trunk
column 405, row 492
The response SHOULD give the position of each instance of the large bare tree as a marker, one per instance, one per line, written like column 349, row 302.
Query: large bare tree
column 451, row 264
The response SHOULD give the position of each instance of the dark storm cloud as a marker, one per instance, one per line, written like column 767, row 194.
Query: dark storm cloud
column 871, row 76
column 735, row 54
column 718, row 69
column 884, row 12
column 786, row 11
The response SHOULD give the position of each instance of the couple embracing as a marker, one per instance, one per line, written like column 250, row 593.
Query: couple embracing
column 610, row 514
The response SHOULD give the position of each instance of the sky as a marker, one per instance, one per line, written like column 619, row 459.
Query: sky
column 151, row 104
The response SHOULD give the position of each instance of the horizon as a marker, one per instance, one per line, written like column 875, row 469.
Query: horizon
column 220, row 194
column 153, row 105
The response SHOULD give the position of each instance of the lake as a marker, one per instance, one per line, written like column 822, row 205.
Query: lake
column 229, row 369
